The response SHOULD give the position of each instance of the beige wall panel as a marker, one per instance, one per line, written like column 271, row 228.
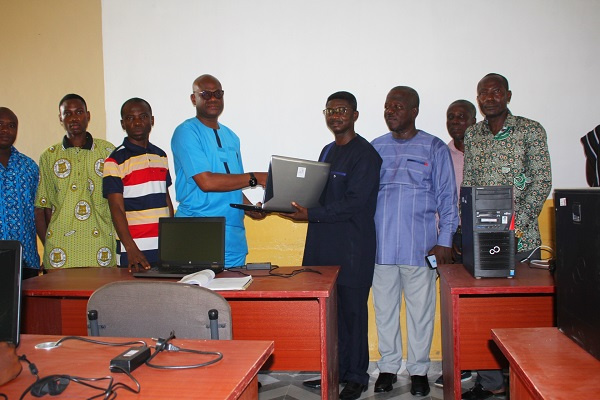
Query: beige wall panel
column 49, row 49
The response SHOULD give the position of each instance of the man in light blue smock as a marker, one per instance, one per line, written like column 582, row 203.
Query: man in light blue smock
column 416, row 216
column 209, row 171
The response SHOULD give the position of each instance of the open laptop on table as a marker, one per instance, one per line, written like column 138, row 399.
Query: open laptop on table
column 187, row 245
column 291, row 179
column 11, row 256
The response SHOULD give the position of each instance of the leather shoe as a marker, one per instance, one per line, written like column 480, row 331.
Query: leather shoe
column 384, row 382
column 419, row 385
column 352, row 391
column 313, row 384
column 477, row 392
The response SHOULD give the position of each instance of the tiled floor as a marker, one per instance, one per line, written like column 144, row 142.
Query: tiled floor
column 288, row 386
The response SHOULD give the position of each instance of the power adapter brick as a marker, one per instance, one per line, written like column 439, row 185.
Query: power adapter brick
column 130, row 359
column 255, row 266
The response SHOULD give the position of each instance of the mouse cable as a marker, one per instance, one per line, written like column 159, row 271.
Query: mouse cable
column 163, row 344
column 108, row 392
column 294, row 272
column 32, row 368
column 540, row 264
column 84, row 339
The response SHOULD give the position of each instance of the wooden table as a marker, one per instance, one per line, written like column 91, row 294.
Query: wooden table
column 546, row 364
column 471, row 307
column 233, row 377
column 299, row 313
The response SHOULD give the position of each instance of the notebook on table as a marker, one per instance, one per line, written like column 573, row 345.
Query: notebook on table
column 187, row 245
column 11, row 256
column 291, row 179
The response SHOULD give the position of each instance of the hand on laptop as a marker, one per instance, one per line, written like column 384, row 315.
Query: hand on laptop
column 256, row 214
column 301, row 213
column 137, row 260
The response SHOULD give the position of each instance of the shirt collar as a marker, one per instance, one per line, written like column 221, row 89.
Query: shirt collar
column 135, row 148
column 89, row 142
column 507, row 129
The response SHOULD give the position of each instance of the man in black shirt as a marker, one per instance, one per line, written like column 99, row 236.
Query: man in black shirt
column 341, row 231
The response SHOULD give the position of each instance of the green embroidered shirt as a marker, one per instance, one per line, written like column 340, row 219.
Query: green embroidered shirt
column 80, row 232
column 518, row 156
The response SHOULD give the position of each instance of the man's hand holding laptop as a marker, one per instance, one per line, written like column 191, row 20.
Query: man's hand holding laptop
column 301, row 213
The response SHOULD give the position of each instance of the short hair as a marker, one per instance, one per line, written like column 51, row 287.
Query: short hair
column 342, row 95
column 470, row 107
column 72, row 96
column 135, row 100
column 9, row 112
column 502, row 79
column 413, row 96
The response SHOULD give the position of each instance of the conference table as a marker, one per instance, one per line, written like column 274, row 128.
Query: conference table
column 298, row 313
column 546, row 364
column 471, row 308
column 233, row 377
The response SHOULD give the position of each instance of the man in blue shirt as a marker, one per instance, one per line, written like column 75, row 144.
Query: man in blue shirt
column 209, row 171
column 19, row 176
column 417, row 184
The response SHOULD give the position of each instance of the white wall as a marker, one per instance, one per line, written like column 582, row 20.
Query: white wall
column 278, row 61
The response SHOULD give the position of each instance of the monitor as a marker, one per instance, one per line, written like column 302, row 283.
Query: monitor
column 11, row 256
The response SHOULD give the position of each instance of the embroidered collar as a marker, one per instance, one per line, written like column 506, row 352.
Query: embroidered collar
column 507, row 129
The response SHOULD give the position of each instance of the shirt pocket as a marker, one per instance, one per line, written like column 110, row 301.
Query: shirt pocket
column 338, row 183
column 407, row 171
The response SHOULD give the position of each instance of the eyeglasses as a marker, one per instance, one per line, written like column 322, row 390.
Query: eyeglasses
column 328, row 112
column 207, row 94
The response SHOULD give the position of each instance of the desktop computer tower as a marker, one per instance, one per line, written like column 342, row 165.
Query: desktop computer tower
column 488, row 233
column 577, row 274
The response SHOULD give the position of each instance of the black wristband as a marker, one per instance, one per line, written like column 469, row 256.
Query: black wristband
column 253, row 181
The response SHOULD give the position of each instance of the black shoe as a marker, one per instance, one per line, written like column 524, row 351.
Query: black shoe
column 313, row 384
column 384, row 382
column 477, row 392
column 464, row 376
column 419, row 385
column 352, row 391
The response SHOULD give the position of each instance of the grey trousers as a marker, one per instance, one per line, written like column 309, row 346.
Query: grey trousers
column 418, row 286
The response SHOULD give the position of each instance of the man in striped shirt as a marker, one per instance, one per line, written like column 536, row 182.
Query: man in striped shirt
column 136, row 181
column 591, row 148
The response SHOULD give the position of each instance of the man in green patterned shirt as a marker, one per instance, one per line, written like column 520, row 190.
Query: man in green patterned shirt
column 76, row 217
column 505, row 149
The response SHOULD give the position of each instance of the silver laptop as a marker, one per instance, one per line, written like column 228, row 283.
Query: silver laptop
column 11, row 257
column 187, row 245
column 291, row 179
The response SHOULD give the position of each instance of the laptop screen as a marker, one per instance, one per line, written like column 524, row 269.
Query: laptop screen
column 192, row 241
column 10, row 290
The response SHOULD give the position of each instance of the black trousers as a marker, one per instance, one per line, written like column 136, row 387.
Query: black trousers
column 353, row 340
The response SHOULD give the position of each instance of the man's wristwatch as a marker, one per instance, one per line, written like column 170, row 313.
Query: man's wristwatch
column 252, row 182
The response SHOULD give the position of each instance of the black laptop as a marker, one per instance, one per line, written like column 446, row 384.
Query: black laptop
column 11, row 256
column 187, row 245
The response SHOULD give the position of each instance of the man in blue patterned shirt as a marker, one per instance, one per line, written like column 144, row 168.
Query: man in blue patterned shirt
column 19, row 177
column 417, row 184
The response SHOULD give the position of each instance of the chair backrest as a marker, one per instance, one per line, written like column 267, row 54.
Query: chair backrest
column 155, row 308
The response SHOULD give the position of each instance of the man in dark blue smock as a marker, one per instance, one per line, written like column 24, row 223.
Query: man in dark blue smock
column 341, row 231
